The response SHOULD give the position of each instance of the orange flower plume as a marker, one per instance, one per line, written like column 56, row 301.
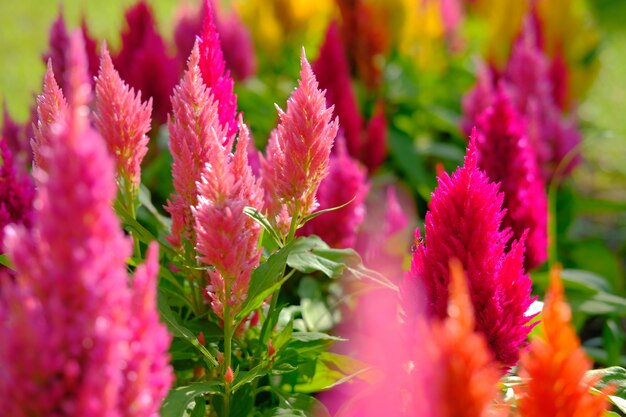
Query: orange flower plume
column 555, row 366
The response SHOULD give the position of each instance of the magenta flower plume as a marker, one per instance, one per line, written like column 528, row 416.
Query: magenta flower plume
column 122, row 120
column 237, row 45
column 65, row 322
column 51, row 109
column 346, row 181
column 214, row 74
column 143, row 61
column 194, row 121
column 59, row 43
column 366, row 142
column 505, row 155
column 227, row 237
column 16, row 192
column 298, row 152
column 333, row 74
column 13, row 134
column 464, row 222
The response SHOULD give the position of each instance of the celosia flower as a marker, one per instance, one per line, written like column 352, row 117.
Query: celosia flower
column 505, row 155
column 13, row 133
column 58, row 46
column 65, row 329
column 227, row 237
column 235, row 39
column 554, row 368
column 298, row 152
column 51, row 109
column 346, row 181
column 122, row 120
column 366, row 143
column 464, row 222
column 143, row 61
column 16, row 192
column 194, row 118
column 214, row 74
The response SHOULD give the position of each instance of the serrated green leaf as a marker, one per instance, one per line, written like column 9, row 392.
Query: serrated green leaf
column 179, row 399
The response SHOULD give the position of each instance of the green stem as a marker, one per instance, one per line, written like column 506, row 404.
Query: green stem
column 129, row 201
column 228, row 340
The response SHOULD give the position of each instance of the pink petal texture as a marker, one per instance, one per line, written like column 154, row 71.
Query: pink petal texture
column 214, row 74
column 65, row 322
column 505, row 155
column 298, row 152
column 346, row 181
column 365, row 141
column 16, row 192
column 193, row 123
column 464, row 222
column 51, row 108
column 143, row 61
column 226, row 237
column 122, row 120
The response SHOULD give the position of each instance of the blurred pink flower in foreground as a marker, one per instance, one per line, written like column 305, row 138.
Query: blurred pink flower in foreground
column 464, row 222
column 298, row 153
column 73, row 330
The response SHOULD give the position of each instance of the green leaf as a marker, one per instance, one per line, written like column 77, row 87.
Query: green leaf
column 179, row 399
column 320, row 212
column 331, row 370
column 145, row 198
column 257, row 216
column 178, row 330
column 298, row 405
column 4, row 261
column 246, row 377
column 406, row 157
column 312, row 254
column 614, row 376
column 265, row 280
column 577, row 280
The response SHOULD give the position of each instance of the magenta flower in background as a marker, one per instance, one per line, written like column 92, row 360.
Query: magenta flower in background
column 194, row 120
column 68, row 342
column 14, row 135
column 143, row 61
column 365, row 142
column 58, row 44
column 16, row 192
column 346, row 181
column 226, row 237
column 464, row 222
column 214, row 73
column 506, row 157
column 123, row 120
column 298, row 152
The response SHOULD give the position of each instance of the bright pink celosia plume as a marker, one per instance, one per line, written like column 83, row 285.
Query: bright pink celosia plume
column 227, row 237
column 67, row 343
column 505, row 155
column 346, row 181
column 194, row 121
column 122, row 120
column 214, row 73
column 143, row 61
column 464, row 222
column 298, row 152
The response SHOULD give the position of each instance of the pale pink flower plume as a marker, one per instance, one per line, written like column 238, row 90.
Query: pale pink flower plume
column 122, row 119
column 298, row 152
